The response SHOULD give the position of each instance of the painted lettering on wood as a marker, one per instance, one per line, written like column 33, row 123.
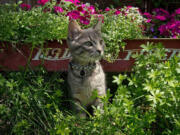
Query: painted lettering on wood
column 55, row 57
column 54, row 54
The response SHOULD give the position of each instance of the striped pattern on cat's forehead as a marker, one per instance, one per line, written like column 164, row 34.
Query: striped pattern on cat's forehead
column 88, row 35
column 85, row 44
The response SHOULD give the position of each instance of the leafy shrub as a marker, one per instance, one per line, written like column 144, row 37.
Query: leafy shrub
column 34, row 26
column 146, row 102
column 49, row 21
column 150, row 101
column 119, row 27
column 29, row 101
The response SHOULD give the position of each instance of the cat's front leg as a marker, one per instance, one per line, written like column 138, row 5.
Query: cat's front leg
column 78, row 107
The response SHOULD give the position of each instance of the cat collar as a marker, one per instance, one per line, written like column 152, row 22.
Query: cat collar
column 84, row 70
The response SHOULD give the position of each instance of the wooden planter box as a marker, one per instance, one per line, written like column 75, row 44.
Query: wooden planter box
column 55, row 57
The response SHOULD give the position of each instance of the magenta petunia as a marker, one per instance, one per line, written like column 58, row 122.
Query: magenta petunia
column 42, row 2
column 73, row 14
column 86, row 14
column 58, row 9
column 25, row 6
column 148, row 20
column 164, row 24
column 163, row 29
column 161, row 12
column 84, row 20
column 148, row 15
column 80, row 8
column 159, row 17
column 128, row 7
column 86, row 10
column 83, row 5
column 91, row 9
column 107, row 9
column 177, row 11
column 117, row 12
column 171, row 29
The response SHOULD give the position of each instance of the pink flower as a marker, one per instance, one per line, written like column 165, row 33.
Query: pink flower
column 164, row 30
column 117, row 12
column 80, row 8
column 148, row 15
column 128, row 7
column 42, row 2
column 161, row 12
column 83, row 5
column 84, row 9
column 25, row 6
column 174, row 36
column 107, row 9
column 171, row 29
column 159, row 17
column 73, row 14
column 91, row 9
column 58, row 9
column 86, row 14
column 148, row 20
column 177, row 11
column 84, row 20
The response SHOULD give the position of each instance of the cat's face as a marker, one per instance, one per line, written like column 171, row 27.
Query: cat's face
column 85, row 45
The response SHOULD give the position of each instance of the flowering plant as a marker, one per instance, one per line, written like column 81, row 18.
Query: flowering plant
column 163, row 24
column 49, row 21
column 120, row 24
column 31, row 25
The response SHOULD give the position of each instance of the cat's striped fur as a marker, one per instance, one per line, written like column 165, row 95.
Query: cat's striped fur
column 85, row 74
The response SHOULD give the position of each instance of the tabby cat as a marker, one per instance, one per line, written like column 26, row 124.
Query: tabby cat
column 85, row 74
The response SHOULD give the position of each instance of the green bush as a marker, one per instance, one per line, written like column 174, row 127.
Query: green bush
column 146, row 102
column 33, row 27
column 150, row 101
column 40, row 24
column 117, row 28
column 28, row 101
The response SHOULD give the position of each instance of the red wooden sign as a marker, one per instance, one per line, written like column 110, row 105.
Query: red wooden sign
column 55, row 56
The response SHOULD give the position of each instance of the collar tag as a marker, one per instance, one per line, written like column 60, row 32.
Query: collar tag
column 83, row 70
column 82, row 73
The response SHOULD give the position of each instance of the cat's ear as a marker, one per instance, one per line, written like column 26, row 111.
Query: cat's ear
column 73, row 30
column 98, row 25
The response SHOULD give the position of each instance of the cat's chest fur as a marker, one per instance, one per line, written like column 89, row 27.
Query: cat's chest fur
column 82, row 88
column 85, row 74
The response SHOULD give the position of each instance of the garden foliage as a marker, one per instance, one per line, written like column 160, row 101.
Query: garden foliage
column 19, row 23
column 145, row 102
column 35, row 26
column 29, row 101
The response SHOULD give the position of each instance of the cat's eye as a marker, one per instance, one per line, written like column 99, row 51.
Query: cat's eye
column 101, row 42
column 88, row 43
